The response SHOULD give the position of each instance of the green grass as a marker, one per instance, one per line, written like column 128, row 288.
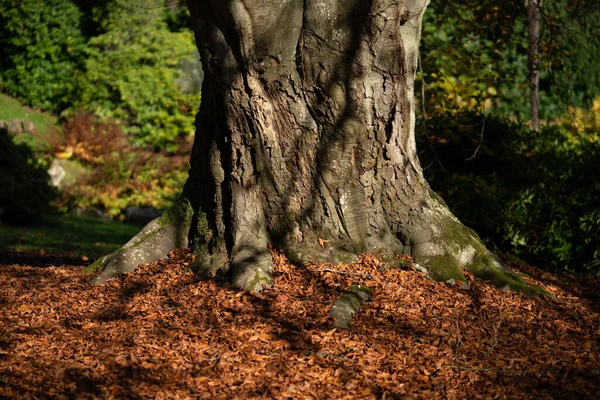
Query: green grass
column 67, row 235
column 11, row 108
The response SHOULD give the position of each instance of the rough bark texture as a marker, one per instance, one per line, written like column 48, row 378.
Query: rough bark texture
column 305, row 139
column 306, row 132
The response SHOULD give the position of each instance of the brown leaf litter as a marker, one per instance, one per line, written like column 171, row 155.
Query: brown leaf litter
column 162, row 332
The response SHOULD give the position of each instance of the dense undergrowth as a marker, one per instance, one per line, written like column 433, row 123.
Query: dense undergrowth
column 118, row 60
column 535, row 195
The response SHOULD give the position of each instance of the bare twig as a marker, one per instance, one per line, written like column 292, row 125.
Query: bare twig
column 216, row 359
column 494, row 339
column 341, row 272
column 480, row 141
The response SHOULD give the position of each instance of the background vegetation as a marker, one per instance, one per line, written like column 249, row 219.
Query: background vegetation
column 107, row 75
column 526, row 193
column 102, row 81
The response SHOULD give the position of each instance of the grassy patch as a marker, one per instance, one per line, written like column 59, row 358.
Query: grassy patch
column 11, row 108
column 68, row 235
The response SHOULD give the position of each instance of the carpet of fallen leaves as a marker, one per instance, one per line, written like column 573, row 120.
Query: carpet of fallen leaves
column 162, row 332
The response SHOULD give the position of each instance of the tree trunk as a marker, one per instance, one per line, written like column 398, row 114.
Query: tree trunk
column 534, row 13
column 305, row 139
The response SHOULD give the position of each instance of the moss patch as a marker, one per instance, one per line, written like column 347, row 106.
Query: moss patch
column 260, row 281
column 97, row 265
column 503, row 277
column 180, row 213
column 443, row 268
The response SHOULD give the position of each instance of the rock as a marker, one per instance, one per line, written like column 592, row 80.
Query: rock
column 56, row 172
column 192, row 75
column 90, row 212
column 15, row 126
column 28, row 126
column 74, row 172
column 141, row 216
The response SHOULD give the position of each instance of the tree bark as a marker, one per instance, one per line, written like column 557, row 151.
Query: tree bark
column 305, row 139
column 534, row 13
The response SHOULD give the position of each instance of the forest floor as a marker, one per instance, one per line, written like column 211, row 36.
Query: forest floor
column 162, row 332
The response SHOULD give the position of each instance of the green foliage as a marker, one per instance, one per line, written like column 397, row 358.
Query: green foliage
column 177, row 17
column 475, row 56
column 132, row 72
column 462, row 52
column 114, row 58
column 41, row 51
column 556, row 218
column 25, row 189
column 575, row 75
column 535, row 195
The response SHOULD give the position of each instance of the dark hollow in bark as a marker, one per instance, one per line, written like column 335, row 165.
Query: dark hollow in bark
column 306, row 134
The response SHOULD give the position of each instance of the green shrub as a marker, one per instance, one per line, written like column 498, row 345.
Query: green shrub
column 41, row 46
column 132, row 72
column 532, row 194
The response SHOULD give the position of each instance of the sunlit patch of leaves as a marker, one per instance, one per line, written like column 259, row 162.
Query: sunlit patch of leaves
column 163, row 332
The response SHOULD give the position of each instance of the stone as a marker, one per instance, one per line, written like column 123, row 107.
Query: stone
column 90, row 212
column 28, row 126
column 56, row 172
column 190, row 81
column 15, row 126
column 141, row 216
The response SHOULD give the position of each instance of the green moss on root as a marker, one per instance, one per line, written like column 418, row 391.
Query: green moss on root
column 444, row 268
column 260, row 281
column 504, row 278
column 180, row 213
column 97, row 265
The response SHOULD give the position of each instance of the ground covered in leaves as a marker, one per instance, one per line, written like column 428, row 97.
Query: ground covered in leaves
column 162, row 332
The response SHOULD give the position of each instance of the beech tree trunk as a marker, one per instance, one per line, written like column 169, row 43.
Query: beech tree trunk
column 305, row 139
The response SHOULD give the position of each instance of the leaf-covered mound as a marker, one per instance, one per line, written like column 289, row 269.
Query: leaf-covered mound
column 163, row 333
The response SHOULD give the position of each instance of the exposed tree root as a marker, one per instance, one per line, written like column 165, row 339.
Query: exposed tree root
column 348, row 304
column 438, row 242
column 252, row 269
column 155, row 240
column 448, row 246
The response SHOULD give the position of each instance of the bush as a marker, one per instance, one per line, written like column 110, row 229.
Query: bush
column 120, row 175
column 131, row 76
column 41, row 46
column 532, row 194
